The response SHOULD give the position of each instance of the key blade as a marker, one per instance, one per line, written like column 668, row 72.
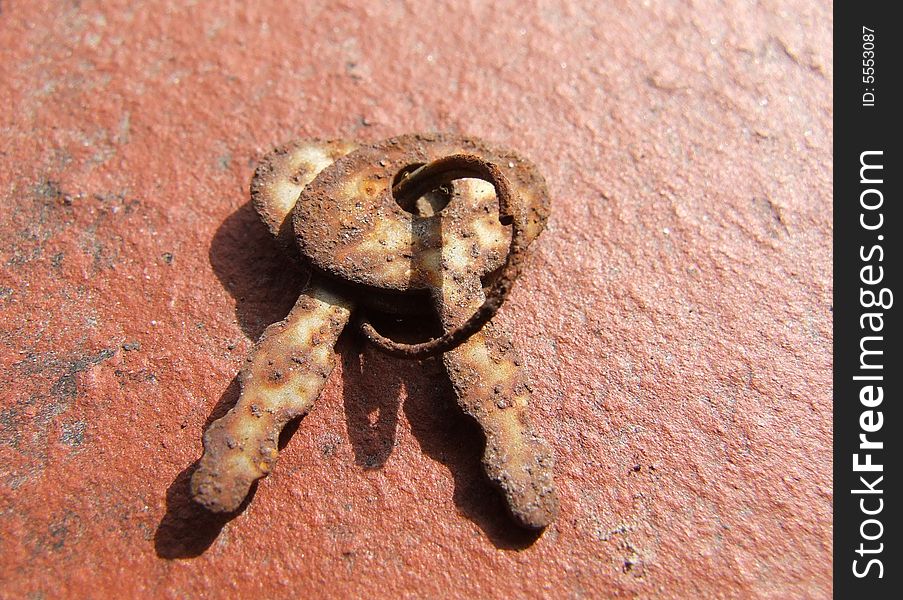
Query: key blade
column 491, row 384
column 283, row 377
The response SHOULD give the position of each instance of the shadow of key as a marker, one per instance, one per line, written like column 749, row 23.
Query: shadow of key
column 188, row 529
column 256, row 272
column 371, row 403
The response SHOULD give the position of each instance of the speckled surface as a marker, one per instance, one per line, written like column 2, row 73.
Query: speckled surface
column 675, row 316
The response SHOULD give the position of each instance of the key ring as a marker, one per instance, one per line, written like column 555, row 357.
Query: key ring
column 425, row 179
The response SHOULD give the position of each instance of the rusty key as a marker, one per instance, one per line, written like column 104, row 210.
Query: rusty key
column 373, row 226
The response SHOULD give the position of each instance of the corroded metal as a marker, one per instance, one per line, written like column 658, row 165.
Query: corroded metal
column 284, row 375
column 492, row 386
column 348, row 224
column 354, row 218
column 283, row 173
column 486, row 371
column 431, row 176
column 280, row 177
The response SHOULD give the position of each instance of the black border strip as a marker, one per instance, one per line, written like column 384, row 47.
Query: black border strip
column 866, row 261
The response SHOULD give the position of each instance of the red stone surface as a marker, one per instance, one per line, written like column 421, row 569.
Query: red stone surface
column 676, row 315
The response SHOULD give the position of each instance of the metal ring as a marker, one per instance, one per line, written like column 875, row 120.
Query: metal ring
column 425, row 179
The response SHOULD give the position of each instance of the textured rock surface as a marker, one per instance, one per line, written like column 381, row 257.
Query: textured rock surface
column 676, row 315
